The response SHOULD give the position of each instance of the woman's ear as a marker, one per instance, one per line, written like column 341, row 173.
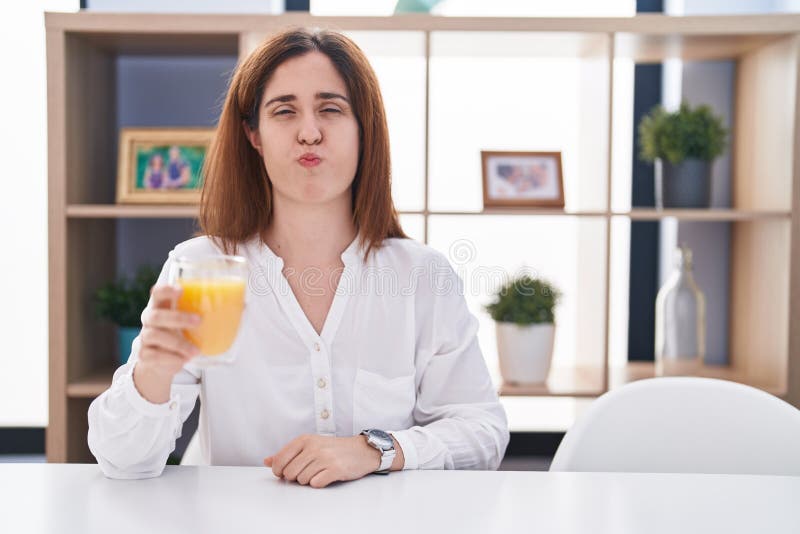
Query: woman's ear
column 252, row 136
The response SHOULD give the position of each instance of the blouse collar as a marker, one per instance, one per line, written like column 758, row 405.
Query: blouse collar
column 352, row 255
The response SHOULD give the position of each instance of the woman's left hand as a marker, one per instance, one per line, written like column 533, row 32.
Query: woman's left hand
column 321, row 460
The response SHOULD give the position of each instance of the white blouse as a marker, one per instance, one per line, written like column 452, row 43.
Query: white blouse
column 398, row 352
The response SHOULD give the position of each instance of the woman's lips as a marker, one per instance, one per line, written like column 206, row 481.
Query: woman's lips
column 309, row 162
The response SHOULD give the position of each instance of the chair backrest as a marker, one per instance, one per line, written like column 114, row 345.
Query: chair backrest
column 192, row 455
column 684, row 425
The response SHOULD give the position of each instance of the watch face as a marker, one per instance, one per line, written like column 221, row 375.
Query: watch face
column 380, row 438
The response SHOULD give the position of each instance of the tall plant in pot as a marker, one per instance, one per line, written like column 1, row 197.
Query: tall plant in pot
column 122, row 302
column 683, row 144
column 524, row 314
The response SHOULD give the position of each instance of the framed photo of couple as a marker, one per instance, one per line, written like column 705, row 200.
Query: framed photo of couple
column 161, row 165
column 522, row 179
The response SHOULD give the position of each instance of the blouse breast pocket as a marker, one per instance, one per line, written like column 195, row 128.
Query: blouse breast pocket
column 383, row 403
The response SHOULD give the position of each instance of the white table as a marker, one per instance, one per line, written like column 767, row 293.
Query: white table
column 77, row 498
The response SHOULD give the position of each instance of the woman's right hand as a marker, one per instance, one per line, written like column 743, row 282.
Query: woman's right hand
column 164, row 350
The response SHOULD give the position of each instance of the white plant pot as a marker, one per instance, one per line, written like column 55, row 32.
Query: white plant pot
column 525, row 352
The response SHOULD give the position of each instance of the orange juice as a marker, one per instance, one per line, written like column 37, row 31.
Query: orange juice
column 219, row 301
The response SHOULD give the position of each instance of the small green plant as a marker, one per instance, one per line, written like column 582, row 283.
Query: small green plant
column 686, row 133
column 525, row 300
column 123, row 300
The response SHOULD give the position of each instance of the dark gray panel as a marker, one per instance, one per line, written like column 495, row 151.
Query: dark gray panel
column 165, row 91
column 141, row 241
column 712, row 83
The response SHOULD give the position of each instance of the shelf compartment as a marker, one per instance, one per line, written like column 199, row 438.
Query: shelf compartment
column 652, row 48
column 188, row 44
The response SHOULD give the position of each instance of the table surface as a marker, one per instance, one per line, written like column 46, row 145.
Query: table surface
column 60, row 498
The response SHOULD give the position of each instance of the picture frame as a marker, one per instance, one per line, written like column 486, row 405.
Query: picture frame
column 161, row 165
column 522, row 179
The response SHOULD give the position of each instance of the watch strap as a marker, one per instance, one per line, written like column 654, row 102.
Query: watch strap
column 387, row 456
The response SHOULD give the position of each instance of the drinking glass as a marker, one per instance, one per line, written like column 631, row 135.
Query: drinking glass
column 214, row 287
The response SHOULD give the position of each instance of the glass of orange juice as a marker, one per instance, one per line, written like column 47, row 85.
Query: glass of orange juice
column 214, row 288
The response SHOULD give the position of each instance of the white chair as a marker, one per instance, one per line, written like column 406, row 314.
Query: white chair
column 684, row 425
column 192, row 455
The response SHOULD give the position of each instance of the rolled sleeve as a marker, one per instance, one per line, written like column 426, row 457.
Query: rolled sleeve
column 144, row 406
column 130, row 436
column 410, row 457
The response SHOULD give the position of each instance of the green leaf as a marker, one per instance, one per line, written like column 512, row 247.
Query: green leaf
column 683, row 134
column 122, row 301
column 525, row 300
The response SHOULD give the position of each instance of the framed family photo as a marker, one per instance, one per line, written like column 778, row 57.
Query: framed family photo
column 161, row 165
column 522, row 179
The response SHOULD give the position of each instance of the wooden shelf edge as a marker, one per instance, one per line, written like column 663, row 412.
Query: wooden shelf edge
column 577, row 381
column 113, row 211
column 586, row 382
column 633, row 371
column 110, row 211
column 657, row 24
column 92, row 385
column 712, row 214
column 543, row 212
column 512, row 390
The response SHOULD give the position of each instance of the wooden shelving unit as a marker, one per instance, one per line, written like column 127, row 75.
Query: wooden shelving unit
column 82, row 53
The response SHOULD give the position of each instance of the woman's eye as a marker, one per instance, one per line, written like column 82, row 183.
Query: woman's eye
column 289, row 111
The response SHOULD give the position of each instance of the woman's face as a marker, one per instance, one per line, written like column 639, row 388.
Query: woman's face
column 306, row 109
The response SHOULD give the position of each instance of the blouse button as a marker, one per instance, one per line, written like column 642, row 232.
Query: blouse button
column 325, row 414
column 316, row 347
column 173, row 405
column 321, row 383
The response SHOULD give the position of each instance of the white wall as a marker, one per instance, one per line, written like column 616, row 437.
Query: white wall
column 23, row 151
column 188, row 6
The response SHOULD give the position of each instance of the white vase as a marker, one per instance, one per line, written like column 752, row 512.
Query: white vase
column 525, row 351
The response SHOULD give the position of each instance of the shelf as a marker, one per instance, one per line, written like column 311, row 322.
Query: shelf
column 118, row 211
column 542, row 212
column 562, row 382
column 621, row 375
column 713, row 214
column 90, row 386
column 179, row 24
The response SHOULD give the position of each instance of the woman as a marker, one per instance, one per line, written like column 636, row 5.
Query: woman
column 298, row 181
column 154, row 173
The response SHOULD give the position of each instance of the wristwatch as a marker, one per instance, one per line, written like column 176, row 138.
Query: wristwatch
column 383, row 442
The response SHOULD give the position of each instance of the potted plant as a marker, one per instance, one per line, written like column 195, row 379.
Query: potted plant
column 523, row 311
column 122, row 303
column 683, row 145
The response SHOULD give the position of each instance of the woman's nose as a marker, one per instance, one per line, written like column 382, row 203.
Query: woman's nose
column 310, row 133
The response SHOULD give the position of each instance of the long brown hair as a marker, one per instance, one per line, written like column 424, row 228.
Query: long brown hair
column 236, row 202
